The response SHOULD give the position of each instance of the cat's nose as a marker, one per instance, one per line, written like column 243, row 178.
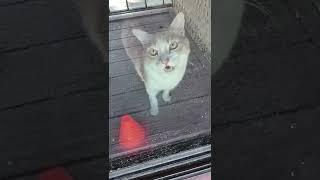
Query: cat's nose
column 165, row 61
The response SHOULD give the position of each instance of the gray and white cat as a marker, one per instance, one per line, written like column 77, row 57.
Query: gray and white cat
column 165, row 60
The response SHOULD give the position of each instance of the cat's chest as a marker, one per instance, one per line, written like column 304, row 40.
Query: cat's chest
column 164, row 80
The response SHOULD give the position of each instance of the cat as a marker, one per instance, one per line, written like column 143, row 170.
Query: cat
column 165, row 60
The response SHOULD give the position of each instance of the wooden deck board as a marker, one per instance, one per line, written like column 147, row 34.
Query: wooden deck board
column 120, row 55
column 93, row 170
column 191, row 116
column 190, row 102
column 45, row 77
column 255, row 85
column 277, row 147
column 138, row 100
column 59, row 133
column 308, row 13
column 38, row 30
column 154, row 27
column 260, row 31
column 6, row 3
column 54, row 88
column 118, row 44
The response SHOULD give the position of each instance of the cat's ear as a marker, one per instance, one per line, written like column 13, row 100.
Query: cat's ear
column 144, row 37
column 177, row 24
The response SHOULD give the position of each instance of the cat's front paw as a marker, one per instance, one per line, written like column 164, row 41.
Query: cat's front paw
column 166, row 98
column 154, row 111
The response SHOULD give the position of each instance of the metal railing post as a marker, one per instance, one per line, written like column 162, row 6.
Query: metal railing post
column 127, row 5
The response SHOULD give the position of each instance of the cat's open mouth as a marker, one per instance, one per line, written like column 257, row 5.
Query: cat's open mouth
column 168, row 68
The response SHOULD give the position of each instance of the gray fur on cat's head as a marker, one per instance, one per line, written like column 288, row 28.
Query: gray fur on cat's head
column 164, row 49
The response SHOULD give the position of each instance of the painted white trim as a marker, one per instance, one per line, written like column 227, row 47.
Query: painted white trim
column 138, row 13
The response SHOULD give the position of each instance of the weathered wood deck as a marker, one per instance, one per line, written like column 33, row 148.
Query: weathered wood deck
column 189, row 110
column 53, row 89
column 266, row 96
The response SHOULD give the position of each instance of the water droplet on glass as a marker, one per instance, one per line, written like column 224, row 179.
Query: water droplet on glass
column 293, row 125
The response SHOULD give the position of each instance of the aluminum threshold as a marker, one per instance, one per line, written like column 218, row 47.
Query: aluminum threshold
column 189, row 162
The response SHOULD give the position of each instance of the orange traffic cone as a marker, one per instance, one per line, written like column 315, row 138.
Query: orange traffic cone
column 132, row 134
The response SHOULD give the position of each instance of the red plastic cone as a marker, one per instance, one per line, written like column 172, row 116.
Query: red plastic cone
column 132, row 134
column 58, row 173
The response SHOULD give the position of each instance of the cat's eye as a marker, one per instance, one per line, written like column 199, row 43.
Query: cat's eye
column 153, row 52
column 173, row 45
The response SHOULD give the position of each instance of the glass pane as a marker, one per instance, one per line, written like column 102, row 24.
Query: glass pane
column 151, row 3
column 134, row 4
column 140, row 129
column 167, row 1
column 117, row 5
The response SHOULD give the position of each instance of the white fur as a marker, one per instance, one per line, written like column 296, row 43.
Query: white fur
column 157, row 81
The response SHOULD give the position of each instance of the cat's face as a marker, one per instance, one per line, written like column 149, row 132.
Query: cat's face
column 165, row 49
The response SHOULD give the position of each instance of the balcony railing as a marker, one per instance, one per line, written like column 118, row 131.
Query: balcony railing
column 127, row 6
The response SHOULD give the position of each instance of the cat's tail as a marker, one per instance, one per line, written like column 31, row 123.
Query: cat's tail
column 134, row 52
